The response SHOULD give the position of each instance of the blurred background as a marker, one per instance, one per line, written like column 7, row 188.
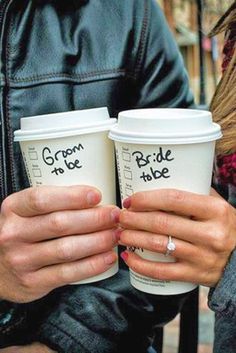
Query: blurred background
column 191, row 21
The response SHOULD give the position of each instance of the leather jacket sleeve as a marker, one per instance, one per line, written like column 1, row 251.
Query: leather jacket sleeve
column 222, row 300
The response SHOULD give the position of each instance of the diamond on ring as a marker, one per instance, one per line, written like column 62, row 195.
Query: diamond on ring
column 170, row 247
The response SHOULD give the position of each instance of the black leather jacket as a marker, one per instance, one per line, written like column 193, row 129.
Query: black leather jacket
column 66, row 55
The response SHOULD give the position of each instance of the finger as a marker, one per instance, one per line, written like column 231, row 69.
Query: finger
column 62, row 274
column 163, row 271
column 173, row 271
column 214, row 193
column 172, row 200
column 45, row 199
column 32, row 348
column 62, row 223
column 166, row 224
column 69, row 249
column 158, row 243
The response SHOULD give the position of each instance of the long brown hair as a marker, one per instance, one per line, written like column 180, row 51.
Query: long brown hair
column 223, row 105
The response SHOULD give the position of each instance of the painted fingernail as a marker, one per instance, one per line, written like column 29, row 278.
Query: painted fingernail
column 117, row 233
column 93, row 197
column 115, row 215
column 124, row 255
column 110, row 258
column 127, row 202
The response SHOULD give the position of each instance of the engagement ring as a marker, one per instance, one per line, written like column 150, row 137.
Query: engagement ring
column 170, row 247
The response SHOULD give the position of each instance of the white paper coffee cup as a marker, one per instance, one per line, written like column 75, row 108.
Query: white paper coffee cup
column 164, row 148
column 71, row 148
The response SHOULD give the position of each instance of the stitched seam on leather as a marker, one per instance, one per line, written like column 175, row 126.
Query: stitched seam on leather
column 68, row 75
column 9, row 129
column 142, row 41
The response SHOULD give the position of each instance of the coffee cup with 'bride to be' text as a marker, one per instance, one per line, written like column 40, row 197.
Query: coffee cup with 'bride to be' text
column 163, row 148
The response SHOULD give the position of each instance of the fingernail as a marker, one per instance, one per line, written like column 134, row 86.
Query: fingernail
column 117, row 233
column 93, row 197
column 115, row 215
column 127, row 202
column 110, row 258
column 124, row 255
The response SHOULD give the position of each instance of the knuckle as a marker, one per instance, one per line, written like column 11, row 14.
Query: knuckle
column 210, row 276
column 93, row 266
column 219, row 240
column 156, row 243
column 27, row 280
column 36, row 199
column 124, row 217
column 64, row 275
column 210, row 261
column 160, row 223
column 4, row 238
column 57, row 223
column 7, row 234
column 105, row 241
column 74, row 194
column 64, row 250
column 127, row 236
column 139, row 198
column 175, row 195
column 14, row 261
column 6, row 205
column 222, row 210
column 211, row 234
column 101, row 215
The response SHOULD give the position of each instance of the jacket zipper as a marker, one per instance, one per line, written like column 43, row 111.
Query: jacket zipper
column 4, row 166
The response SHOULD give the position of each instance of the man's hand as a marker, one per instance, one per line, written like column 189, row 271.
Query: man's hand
column 51, row 236
column 32, row 348
column 202, row 227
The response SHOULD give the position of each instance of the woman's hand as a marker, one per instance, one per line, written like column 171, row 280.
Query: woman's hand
column 203, row 229
column 32, row 348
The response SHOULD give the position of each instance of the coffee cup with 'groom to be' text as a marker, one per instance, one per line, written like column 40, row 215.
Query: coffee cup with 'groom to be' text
column 71, row 148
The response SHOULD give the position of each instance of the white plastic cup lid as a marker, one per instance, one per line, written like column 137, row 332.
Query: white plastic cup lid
column 64, row 124
column 165, row 125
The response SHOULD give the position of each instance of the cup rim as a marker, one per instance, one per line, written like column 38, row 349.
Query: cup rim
column 40, row 134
